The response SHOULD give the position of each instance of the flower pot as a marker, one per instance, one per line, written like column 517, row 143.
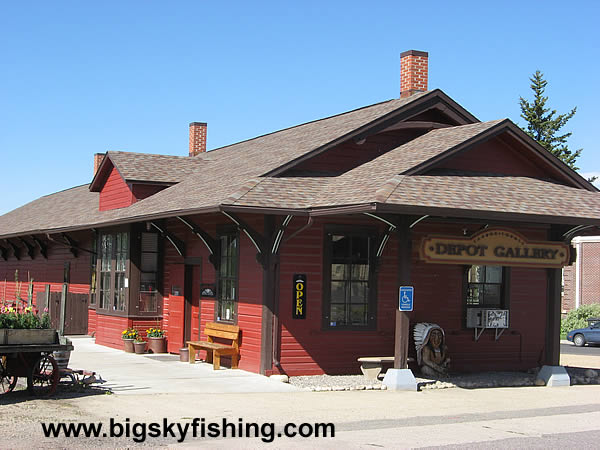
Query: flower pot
column 140, row 347
column 184, row 354
column 157, row 344
column 128, row 345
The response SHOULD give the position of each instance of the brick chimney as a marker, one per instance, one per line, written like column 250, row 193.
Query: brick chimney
column 413, row 72
column 98, row 158
column 197, row 138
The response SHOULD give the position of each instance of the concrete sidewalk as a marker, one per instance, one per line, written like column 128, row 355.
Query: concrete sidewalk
column 128, row 373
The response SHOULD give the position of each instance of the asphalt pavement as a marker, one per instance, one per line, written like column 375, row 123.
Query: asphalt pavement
column 568, row 348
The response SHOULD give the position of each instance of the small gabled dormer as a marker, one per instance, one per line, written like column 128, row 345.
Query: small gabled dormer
column 123, row 178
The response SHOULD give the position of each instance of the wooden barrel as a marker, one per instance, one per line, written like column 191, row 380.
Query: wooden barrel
column 62, row 359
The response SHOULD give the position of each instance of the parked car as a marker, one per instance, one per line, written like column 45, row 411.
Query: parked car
column 589, row 335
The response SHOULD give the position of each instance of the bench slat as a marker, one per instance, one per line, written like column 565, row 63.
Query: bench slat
column 221, row 334
column 214, row 350
column 222, row 327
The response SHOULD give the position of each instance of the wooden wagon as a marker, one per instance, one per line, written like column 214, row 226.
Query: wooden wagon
column 28, row 353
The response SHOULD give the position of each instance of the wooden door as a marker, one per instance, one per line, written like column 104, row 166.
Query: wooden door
column 76, row 314
column 192, row 299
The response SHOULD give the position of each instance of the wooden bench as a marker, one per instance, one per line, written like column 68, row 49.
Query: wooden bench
column 214, row 350
column 371, row 366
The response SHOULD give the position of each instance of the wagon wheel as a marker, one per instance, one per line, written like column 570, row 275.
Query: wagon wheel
column 43, row 377
column 7, row 382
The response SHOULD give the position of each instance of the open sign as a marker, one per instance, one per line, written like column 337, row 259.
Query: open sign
column 299, row 296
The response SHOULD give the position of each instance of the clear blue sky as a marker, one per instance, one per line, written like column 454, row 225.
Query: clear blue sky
column 78, row 78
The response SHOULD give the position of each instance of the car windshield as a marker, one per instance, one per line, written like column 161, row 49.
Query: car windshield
column 594, row 323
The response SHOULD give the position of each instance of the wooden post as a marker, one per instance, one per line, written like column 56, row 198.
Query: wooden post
column 63, row 308
column 552, row 357
column 402, row 320
column 269, row 299
column 553, row 317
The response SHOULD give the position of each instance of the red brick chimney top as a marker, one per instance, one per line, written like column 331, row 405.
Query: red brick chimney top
column 413, row 72
column 98, row 158
column 197, row 138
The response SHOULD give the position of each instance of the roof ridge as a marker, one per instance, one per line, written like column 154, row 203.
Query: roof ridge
column 149, row 154
column 309, row 122
column 58, row 192
column 388, row 188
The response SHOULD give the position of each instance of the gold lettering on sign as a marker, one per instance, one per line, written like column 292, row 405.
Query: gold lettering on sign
column 299, row 297
column 494, row 246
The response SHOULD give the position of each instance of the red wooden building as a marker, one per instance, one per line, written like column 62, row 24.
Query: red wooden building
column 412, row 191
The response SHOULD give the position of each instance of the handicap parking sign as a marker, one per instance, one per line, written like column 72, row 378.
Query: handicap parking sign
column 406, row 298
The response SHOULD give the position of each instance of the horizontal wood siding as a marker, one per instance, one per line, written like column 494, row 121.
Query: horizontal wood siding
column 438, row 299
column 110, row 329
column 494, row 156
column 203, row 310
column 92, row 322
column 115, row 193
column 46, row 271
column 307, row 349
column 349, row 155
column 250, row 301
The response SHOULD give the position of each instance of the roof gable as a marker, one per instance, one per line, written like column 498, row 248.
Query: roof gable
column 518, row 146
column 146, row 168
column 393, row 116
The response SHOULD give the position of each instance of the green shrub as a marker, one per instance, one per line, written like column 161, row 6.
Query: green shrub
column 577, row 318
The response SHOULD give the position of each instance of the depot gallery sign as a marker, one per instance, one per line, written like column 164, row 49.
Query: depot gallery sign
column 494, row 246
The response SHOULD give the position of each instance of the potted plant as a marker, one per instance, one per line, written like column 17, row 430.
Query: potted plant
column 24, row 325
column 129, row 335
column 157, row 342
column 139, row 345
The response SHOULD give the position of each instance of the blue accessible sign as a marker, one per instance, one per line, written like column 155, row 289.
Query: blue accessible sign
column 406, row 298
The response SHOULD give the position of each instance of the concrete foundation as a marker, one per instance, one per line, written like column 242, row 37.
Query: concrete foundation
column 554, row 376
column 400, row 380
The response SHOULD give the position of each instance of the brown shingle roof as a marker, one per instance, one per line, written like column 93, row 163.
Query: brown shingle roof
column 231, row 167
column 72, row 207
column 154, row 168
column 496, row 193
column 233, row 175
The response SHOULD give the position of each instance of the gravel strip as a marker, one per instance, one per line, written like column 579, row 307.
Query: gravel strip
column 321, row 383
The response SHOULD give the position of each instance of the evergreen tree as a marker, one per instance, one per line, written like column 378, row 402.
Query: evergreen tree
column 543, row 124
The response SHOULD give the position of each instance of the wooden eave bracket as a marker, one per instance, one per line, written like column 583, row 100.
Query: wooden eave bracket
column 43, row 247
column 211, row 243
column 29, row 247
column 257, row 239
column 73, row 246
column 3, row 253
column 267, row 246
column 174, row 240
column 16, row 250
column 68, row 242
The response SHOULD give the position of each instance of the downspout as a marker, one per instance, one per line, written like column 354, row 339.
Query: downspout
column 276, row 325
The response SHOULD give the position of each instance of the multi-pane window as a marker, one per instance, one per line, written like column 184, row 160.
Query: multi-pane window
column 349, row 302
column 485, row 286
column 228, row 274
column 106, row 251
column 93, row 265
column 113, row 257
column 121, row 248
column 148, row 273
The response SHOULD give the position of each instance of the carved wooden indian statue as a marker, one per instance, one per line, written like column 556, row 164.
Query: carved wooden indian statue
column 432, row 353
